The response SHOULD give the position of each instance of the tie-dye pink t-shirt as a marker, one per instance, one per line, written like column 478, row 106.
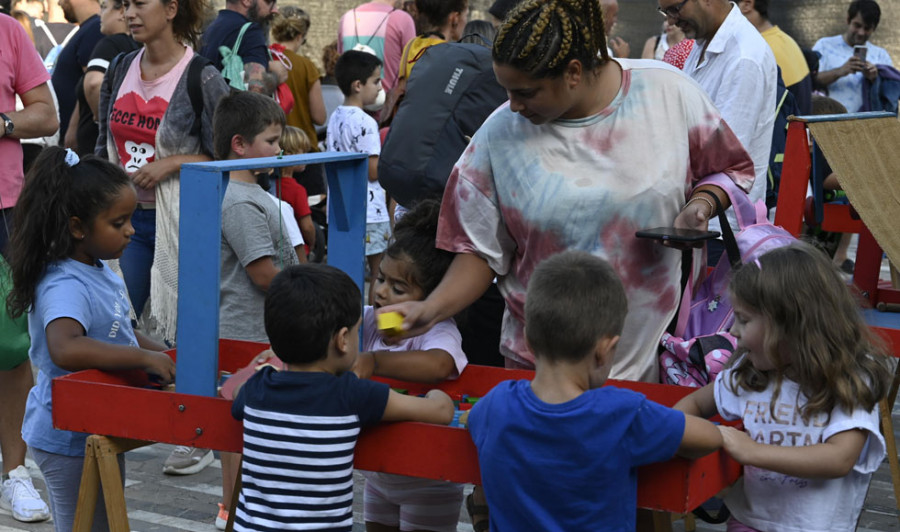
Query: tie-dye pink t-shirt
column 522, row 192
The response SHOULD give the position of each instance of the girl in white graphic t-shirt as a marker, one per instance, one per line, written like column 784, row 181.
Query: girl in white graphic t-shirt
column 806, row 381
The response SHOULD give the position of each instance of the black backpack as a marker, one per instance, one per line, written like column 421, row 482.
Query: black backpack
column 451, row 91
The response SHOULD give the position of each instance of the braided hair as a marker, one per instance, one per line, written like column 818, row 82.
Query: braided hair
column 541, row 37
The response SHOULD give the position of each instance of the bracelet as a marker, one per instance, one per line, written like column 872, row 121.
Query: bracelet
column 712, row 208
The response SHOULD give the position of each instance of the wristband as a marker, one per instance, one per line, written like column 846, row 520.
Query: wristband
column 712, row 208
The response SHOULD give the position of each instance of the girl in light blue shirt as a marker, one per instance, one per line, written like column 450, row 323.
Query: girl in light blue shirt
column 73, row 215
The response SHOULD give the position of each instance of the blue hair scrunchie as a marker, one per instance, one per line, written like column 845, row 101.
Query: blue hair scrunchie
column 71, row 157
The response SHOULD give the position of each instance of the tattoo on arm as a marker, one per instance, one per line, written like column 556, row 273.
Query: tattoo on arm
column 258, row 80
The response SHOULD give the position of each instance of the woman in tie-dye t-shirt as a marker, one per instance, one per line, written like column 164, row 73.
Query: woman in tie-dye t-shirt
column 587, row 151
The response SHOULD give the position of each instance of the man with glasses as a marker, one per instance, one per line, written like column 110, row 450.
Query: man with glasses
column 848, row 58
column 736, row 68
column 260, row 74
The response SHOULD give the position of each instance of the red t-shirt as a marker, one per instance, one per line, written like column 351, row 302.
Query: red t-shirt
column 289, row 190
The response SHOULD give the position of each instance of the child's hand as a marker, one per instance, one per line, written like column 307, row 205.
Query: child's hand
column 443, row 402
column 364, row 366
column 738, row 443
column 161, row 365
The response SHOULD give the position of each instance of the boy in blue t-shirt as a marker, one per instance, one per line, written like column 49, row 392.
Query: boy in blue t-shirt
column 301, row 424
column 560, row 452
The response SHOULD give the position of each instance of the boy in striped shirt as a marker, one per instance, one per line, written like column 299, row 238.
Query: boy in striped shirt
column 301, row 423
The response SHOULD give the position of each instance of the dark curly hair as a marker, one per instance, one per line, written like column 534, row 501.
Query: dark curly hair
column 414, row 237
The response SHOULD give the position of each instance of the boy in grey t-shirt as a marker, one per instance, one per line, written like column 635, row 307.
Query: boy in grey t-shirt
column 255, row 245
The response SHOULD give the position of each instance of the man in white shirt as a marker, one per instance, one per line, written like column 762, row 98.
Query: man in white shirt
column 735, row 66
column 840, row 69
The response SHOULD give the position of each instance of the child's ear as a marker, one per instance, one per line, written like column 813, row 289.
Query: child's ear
column 76, row 228
column 238, row 145
column 453, row 19
column 342, row 340
column 356, row 87
column 605, row 351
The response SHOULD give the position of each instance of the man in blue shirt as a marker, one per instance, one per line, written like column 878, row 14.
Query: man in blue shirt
column 260, row 74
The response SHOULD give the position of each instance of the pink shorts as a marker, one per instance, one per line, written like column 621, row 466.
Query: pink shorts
column 736, row 526
column 412, row 503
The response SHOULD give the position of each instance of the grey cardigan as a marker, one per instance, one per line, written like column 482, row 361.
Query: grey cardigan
column 173, row 137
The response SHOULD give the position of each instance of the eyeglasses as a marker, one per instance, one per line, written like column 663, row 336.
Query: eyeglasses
column 673, row 10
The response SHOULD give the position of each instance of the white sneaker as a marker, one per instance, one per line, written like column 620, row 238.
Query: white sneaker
column 19, row 496
column 187, row 460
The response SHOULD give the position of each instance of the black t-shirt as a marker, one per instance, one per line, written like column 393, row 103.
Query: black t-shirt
column 70, row 67
column 108, row 48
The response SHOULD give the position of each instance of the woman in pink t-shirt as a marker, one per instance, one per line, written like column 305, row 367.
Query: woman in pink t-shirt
column 138, row 131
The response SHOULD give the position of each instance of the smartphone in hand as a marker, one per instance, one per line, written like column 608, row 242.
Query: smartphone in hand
column 673, row 234
column 860, row 51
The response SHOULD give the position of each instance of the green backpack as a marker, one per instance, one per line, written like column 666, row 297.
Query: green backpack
column 14, row 340
column 232, row 63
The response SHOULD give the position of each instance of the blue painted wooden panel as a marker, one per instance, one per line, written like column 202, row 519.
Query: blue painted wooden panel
column 199, row 254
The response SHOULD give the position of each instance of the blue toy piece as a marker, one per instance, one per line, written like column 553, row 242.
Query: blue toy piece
column 199, row 253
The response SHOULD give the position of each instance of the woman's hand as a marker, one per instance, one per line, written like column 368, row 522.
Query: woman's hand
column 738, row 444
column 418, row 318
column 150, row 174
column 159, row 364
column 694, row 215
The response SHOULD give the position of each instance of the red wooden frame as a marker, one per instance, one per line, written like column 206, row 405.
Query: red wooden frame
column 118, row 404
column 792, row 209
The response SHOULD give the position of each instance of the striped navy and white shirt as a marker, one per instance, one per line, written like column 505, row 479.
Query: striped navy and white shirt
column 300, row 431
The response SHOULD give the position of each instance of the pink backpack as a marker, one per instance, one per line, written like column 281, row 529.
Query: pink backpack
column 701, row 345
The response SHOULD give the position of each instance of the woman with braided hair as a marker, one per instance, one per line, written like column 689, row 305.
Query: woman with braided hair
column 588, row 151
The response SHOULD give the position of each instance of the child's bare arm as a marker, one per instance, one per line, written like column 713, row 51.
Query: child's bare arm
column 701, row 403
column 308, row 230
column 832, row 459
column 261, row 272
column 149, row 343
column 433, row 365
column 373, row 168
column 71, row 350
column 435, row 407
column 700, row 437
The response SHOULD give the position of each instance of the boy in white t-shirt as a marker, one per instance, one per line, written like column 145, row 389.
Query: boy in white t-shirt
column 350, row 129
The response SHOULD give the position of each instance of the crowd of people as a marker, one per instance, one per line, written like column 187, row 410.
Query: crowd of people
column 527, row 252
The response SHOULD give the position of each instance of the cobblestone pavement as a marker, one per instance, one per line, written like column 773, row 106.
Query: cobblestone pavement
column 163, row 503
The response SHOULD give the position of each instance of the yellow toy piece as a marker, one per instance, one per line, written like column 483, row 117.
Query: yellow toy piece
column 390, row 323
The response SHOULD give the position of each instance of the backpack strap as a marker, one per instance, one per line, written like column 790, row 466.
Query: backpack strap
column 70, row 35
column 731, row 247
column 195, row 90
column 240, row 37
column 43, row 25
